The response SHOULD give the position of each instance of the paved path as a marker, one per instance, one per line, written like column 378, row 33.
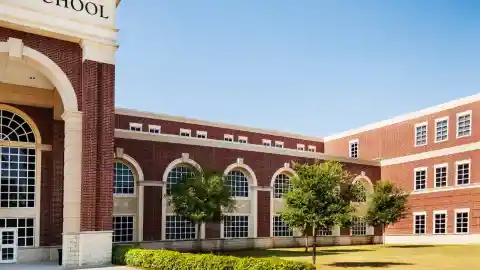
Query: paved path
column 53, row 266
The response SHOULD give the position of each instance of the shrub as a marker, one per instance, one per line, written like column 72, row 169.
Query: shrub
column 118, row 253
column 173, row 260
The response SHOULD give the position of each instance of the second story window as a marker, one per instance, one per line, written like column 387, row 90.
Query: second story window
column 201, row 134
column 420, row 178
column 242, row 139
column 266, row 142
column 278, row 144
column 228, row 137
column 300, row 147
column 353, row 148
column 463, row 172
column 136, row 127
column 441, row 129
column 312, row 148
column 421, row 134
column 441, row 175
column 464, row 124
column 185, row 132
column 154, row 129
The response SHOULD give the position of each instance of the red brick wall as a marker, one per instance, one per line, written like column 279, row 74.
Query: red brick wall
column 154, row 158
column 171, row 127
column 152, row 212
column 398, row 139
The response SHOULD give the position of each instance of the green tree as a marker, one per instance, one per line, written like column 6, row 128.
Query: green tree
column 201, row 197
column 387, row 205
column 320, row 197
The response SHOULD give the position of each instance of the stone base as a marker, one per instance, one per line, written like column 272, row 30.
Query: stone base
column 86, row 249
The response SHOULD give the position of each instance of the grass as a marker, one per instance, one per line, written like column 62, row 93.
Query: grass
column 381, row 257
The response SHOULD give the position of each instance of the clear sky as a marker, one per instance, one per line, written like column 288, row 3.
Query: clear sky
column 313, row 67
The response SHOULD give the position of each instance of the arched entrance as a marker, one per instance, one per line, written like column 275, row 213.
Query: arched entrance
column 44, row 76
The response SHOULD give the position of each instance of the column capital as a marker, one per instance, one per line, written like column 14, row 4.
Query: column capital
column 98, row 52
column 72, row 116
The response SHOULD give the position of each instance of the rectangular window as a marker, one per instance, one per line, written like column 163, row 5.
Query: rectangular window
column 235, row 226
column 353, row 148
column 228, row 137
column 420, row 178
column 441, row 129
column 312, row 148
column 266, row 142
column 439, row 222
column 461, row 220
column 324, row 232
column 122, row 229
column 242, row 139
column 201, row 134
column 420, row 220
column 179, row 228
column 421, row 134
column 463, row 172
column 185, row 132
column 136, row 126
column 441, row 175
column 280, row 228
column 25, row 226
column 300, row 147
column 359, row 226
column 278, row 144
column 464, row 124
column 154, row 129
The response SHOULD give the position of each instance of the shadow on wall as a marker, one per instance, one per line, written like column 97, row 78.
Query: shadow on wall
column 367, row 264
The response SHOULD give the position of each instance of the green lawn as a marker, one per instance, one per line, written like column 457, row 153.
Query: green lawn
column 382, row 257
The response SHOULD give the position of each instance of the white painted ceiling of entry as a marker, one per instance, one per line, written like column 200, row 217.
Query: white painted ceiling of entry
column 17, row 72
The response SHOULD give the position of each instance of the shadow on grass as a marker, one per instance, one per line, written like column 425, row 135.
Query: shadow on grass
column 410, row 246
column 291, row 253
column 367, row 264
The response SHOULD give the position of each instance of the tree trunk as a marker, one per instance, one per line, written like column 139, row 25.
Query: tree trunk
column 198, row 242
column 306, row 240
column 384, row 226
column 314, row 245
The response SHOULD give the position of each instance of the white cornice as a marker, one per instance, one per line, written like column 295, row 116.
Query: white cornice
column 167, row 138
column 432, row 154
column 406, row 117
column 131, row 112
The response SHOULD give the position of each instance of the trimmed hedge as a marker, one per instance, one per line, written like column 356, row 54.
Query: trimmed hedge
column 118, row 253
column 174, row 260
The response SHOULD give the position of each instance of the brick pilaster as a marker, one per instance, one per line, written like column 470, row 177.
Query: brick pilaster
column 263, row 214
column 56, row 217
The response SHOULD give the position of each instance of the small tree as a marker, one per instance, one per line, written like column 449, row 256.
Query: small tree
column 201, row 197
column 319, row 197
column 387, row 205
column 295, row 219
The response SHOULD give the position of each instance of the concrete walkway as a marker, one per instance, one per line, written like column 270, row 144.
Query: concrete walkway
column 54, row 266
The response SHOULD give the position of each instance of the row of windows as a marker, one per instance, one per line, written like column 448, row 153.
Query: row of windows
column 464, row 129
column 124, row 181
column 440, row 222
column 226, row 137
column 462, row 175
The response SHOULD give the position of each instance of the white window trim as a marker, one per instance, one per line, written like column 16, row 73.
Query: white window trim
column 312, row 147
column 155, row 127
column 419, row 214
column 436, row 124
column 300, row 145
column 461, row 162
column 242, row 138
column 415, row 177
column 136, row 125
column 469, row 112
column 446, row 221
column 250, row 225
column 228, row 136
column 202, row 133
column 415, row 133
column 279, row 143
column 135, row 226
column 350, row 143
column 435, row 174
column 273, row 227
column 461, row 210
column 264, row 141
column 185, row 130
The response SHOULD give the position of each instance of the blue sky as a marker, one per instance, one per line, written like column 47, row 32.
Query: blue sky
column 313, row 67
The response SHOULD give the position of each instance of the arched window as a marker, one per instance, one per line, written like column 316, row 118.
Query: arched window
column 238, row 183
column 177, row 174
column 124, row 181
column 15, row 128
column 281, row 185
column 366, row 188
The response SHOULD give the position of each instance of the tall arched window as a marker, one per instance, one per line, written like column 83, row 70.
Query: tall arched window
column 238, row 183
column 281, row 185
column 124, row 181
column 177, row 174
